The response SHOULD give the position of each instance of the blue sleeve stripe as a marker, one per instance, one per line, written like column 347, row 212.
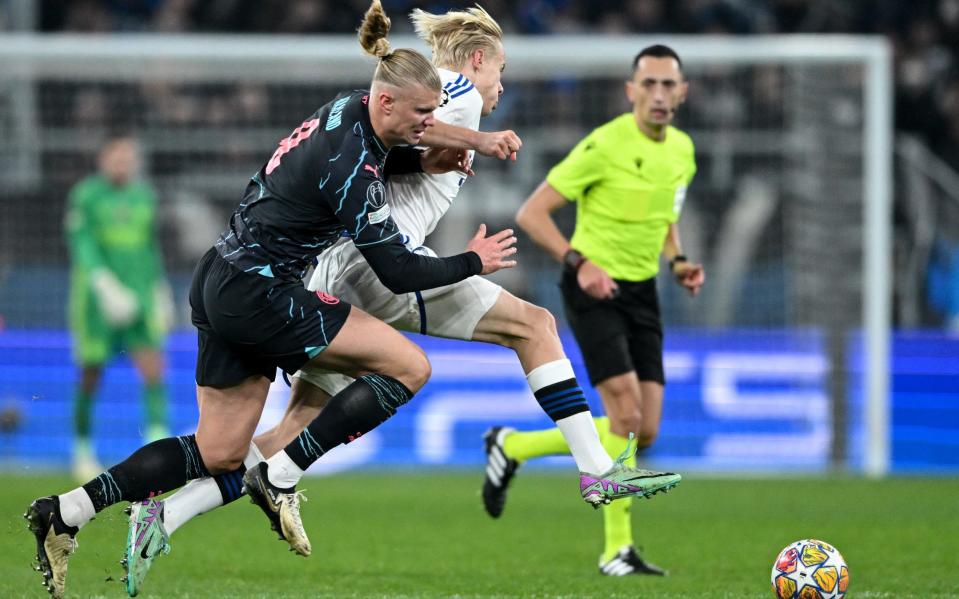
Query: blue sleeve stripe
column 462, row 91
column 450, row 84
column 455, row 88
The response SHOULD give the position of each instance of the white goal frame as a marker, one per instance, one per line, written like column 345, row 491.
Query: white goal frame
column 301, row 58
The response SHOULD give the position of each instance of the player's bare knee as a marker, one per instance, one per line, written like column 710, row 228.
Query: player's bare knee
column 531, row 324
column 541, row 322
column 419, row 372
column 219, row 460
column 413, row 371
column 225, row 464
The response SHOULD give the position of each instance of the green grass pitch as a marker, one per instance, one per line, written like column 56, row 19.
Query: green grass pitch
column 426, row 535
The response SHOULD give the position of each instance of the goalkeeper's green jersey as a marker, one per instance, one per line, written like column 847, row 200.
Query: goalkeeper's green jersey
column 629, row 189
column 114, row 227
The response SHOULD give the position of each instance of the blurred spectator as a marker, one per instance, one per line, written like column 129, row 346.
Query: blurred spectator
column 87, row 15
column 925, row 34
column 90, row 108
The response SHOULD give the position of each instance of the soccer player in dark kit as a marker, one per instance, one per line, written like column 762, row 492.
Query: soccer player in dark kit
column 254, row 314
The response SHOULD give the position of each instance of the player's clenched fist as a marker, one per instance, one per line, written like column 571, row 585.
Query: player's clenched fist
column 436, row 161
column 499, row 144
column 493, row 250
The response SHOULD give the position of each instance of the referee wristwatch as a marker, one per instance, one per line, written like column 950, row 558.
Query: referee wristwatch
column 676, row 260
column 573, row 259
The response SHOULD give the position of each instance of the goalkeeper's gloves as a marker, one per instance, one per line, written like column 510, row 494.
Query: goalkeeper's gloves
column 118, row 303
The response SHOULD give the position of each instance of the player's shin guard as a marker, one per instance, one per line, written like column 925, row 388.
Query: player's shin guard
column 368, row 402
column 556, row 390
column 561, row 397
column 230, row 485
column 151, row 470
column 351, row 413
column 205, row 494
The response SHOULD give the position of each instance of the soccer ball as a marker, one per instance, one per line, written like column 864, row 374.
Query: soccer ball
column 810, row 569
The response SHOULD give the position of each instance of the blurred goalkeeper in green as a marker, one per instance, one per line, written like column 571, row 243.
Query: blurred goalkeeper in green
column 119, row 297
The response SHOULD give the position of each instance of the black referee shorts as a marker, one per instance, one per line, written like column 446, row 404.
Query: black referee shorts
column 617, row 335
column 251, row 325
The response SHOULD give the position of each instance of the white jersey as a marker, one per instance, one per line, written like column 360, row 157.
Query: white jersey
column 418, row 201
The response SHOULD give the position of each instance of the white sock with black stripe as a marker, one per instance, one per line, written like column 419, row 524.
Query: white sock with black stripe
column 578, row 428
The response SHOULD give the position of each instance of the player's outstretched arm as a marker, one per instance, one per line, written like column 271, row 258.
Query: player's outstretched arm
column 493, row 250
column 403, row 271
column 436, row 161
column 497, row 144
column 403, row 160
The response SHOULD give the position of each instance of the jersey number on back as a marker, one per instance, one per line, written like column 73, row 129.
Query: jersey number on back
column 298, row 135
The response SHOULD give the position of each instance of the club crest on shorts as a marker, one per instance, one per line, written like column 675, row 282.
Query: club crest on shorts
column 326, row 298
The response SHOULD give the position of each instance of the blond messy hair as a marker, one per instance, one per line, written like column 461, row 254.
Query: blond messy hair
column 454, row 37
column 400, row 67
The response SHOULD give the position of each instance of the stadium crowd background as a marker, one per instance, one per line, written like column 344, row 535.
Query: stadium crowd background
column 924, row 35
column 780, row 149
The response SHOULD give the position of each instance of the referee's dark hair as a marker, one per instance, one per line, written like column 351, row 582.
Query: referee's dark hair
column 657, row 51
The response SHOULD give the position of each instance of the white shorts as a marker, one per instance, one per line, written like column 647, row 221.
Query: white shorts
column 451, row 312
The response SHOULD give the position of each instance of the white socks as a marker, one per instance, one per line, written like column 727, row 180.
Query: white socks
column 579, row 430
column 253, row 457
column 76, row 508
column 199, row 496
column 282, row 471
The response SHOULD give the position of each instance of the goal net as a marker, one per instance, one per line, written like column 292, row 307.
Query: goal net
column 780, row 362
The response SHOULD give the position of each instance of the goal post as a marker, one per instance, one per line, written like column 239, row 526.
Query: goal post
column 790, row 210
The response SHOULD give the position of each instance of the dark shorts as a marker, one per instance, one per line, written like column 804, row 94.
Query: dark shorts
column 251, row 325
column 618, row 335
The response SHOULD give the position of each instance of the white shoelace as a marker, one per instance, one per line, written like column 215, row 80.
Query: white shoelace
column 293, row 503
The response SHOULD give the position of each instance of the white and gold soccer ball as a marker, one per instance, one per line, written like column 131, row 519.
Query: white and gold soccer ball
column 810, row 569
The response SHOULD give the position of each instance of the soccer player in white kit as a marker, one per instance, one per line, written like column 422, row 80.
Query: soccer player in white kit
column 468, row 52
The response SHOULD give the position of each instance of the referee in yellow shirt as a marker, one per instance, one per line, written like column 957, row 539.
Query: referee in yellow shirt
column 628, row 179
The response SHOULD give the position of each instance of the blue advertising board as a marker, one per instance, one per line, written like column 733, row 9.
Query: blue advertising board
column 736, row 400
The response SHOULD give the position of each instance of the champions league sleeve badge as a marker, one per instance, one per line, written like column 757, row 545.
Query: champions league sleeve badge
column 376, row 200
